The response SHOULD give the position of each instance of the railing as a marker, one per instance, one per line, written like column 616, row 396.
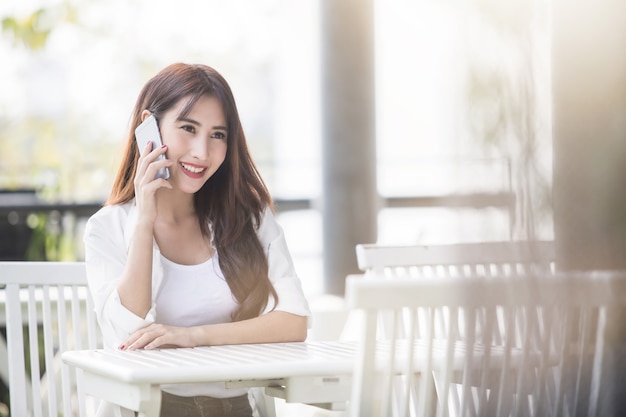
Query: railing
column 32, row 229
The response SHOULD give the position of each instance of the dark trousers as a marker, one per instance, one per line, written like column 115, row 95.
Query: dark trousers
column 175, row 406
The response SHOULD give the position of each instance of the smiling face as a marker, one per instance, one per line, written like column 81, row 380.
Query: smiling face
column 196, row 143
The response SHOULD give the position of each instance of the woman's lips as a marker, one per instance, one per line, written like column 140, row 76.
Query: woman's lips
column 193, row 170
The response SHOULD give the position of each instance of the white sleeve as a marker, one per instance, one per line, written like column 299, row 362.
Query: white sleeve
column 282, row 272
column 105, row 258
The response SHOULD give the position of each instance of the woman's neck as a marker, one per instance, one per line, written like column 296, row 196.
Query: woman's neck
column 174, row 206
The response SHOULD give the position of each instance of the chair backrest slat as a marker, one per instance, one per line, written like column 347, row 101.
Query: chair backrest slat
column 15, row 356
column 48, row 347
column 461, row 259
column 476, row 253
column 52, row 300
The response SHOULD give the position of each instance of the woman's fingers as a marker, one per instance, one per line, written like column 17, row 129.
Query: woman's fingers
column 142, row 337
column 151, row 337
column 148, row 164
column 155, row 166
column 146, row 185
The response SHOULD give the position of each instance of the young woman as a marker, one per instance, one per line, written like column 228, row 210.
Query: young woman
column 197, row 259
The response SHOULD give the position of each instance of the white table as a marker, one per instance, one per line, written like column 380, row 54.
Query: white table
column 312, row 372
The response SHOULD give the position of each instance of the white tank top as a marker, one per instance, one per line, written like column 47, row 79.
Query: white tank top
column 193, row 295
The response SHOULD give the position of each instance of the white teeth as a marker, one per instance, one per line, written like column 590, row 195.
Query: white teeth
column 193, row 169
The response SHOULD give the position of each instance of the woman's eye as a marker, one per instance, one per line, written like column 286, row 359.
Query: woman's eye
column 189, row 128
column 218, row 135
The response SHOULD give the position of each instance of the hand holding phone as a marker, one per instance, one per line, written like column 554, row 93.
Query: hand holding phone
column 148, row 131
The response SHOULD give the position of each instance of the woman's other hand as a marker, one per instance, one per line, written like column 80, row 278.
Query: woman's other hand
column 159, row 336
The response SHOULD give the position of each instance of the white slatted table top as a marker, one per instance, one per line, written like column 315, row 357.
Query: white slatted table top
column 218, row 363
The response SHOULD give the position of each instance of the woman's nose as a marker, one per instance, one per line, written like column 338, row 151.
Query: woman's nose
column 200, row 148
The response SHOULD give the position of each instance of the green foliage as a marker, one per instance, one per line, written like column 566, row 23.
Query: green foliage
column 31, row 31
column 49, row 241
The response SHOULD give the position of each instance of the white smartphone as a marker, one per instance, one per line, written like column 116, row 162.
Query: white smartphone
column 148, row 131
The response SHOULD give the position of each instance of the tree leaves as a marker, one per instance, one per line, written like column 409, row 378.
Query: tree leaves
column 31, row 31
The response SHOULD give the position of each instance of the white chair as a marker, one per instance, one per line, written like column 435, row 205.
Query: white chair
column 48, row 310
column 496, row 258
column 563, row 357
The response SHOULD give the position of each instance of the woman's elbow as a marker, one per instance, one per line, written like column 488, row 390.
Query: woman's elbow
column 298, row 329
column 303, row 330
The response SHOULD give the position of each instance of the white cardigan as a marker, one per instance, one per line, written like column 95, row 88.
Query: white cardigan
column 107, row 239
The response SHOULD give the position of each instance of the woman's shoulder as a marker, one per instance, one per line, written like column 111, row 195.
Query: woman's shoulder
column 268, row 228
column 112, row 214
column 110, row 223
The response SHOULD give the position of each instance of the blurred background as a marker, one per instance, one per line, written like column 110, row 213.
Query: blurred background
column 461, row 115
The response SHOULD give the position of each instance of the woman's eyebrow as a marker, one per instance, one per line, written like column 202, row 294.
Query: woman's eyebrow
column 187, row 120
column 194, row 122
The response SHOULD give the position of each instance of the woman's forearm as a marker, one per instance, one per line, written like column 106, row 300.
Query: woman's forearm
column 135, row 286
column 276, row 326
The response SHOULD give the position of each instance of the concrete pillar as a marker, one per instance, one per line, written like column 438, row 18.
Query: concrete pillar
column 348, row 143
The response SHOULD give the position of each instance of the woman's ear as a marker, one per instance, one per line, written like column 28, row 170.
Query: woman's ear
column 145, row 114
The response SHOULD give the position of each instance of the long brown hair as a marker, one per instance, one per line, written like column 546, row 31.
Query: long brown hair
column 230, row 204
